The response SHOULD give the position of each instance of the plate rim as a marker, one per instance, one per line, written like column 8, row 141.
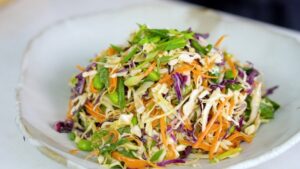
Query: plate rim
column 48, row 150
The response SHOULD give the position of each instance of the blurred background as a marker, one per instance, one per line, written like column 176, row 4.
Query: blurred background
column 284, row 13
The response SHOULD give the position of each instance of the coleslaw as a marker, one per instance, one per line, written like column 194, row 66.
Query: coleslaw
column 168, row 97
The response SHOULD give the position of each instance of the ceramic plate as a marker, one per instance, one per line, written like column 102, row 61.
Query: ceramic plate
column 51, row 57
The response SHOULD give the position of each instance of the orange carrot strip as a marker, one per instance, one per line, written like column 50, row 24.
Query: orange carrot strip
column 216, row 139
column 116, row 135
column 74, row 151
column 239, row 135
column 80, row 68
column 163, row 130
column 69, row 113
column 94, row 113
column 230, row 111
column 111, row 51
column 219, row 41
column 130, row 162
column 209, row 77
column 92, row 154
column 150, row 69
column 166, row 79
column 183, row 68
column 188, row 124
column 210, row 124
column 171, row 153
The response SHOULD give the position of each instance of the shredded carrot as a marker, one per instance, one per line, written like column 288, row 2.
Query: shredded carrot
column 216, row 139
column 163, row 130
column 185, row 142
column 171, row 153
column 219, row 41
column 230, row 110
column 183, row 68
column 111, row 51
column 115, row 134
column 74, row 151
column 205, row 83
column 188, row 124
column 231, row 65
column 132, row 138
column 150, row 69
column 210, row 64
column 80, row 68
column 239, row 135
column 94, row 153
column 130, row 162
column 95, row 113
column 69, row 113
column 210, row 124
column 167, row 79
column 209, row 77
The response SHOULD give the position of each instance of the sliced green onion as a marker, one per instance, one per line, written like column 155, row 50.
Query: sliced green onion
column 113, row 96
column 153, row 76
column 97, row 83
column 156, row 155
column 134, row 80
column 104, row 76
column 134, row 120
column 121, row 92
column 130, row 54
column 226, row 154
column 116, row 48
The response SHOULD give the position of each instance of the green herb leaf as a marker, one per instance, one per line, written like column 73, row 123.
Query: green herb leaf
column 267, row 108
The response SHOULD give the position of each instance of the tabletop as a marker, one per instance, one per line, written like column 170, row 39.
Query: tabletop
column 19, row 21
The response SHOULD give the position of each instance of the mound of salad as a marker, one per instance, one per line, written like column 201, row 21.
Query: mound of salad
column 168, row 97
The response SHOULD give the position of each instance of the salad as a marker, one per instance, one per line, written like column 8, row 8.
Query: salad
column 168, row 97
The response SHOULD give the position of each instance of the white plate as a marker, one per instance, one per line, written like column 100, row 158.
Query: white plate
column 52, row 55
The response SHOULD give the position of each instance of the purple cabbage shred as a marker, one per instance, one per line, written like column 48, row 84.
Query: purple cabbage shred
column 270, row 91
column 174, row 161
column 64, row 126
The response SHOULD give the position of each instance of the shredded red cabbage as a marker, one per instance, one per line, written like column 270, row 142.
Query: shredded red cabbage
column 270, row 91
column 253, row 74
column 240, row 126
column 64, row 126
column 186, row 152
column 79, row 87
column 202, row 35
column 174, row 161
column 177, row 85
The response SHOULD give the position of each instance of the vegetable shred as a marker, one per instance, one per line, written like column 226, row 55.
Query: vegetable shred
column 167, row 97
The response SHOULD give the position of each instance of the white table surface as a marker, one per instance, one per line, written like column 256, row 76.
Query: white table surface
column 19, row 21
